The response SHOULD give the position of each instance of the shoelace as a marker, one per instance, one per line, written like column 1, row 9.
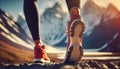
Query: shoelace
column 67, row 30
column 43, row 47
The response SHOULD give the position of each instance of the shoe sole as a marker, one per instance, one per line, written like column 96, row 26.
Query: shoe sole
column 39, row 60
column 76, row 54
column 76, row 50
column 77, row 28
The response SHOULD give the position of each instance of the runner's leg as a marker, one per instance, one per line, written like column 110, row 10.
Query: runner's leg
column 32, row 16
column 75, row 29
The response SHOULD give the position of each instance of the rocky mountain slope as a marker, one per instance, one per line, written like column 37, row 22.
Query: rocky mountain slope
column 104, row 22
column 14, row 43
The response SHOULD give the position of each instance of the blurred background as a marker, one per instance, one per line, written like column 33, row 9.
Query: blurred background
column 101, row 17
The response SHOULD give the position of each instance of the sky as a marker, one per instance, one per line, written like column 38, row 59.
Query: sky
column 11, row 6
column 14, row 7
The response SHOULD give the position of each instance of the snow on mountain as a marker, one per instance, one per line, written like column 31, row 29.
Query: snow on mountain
column 53, row 23
column 23, row 24
column 111, row 22
column 104, row 23
column 43, row 4
column 91, row 14
column 12, row 31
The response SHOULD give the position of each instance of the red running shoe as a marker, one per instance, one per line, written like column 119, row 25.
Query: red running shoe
column 74, row 47
column 40, row 56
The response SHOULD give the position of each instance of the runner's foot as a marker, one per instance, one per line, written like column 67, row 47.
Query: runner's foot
column 74, row 47
column 40, row 54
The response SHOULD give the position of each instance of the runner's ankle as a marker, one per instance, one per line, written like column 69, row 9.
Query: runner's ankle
column 74, row 11
column 36, row 42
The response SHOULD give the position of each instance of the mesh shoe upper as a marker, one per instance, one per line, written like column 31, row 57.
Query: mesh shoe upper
column 39, row 53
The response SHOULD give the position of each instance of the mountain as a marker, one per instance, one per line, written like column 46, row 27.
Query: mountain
column 21, row 21
column 11, row 30
column 112, row 19
column 102, row 31
column 104, row 36
column 14, row 43
column 91, row 14
column 52, row 27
